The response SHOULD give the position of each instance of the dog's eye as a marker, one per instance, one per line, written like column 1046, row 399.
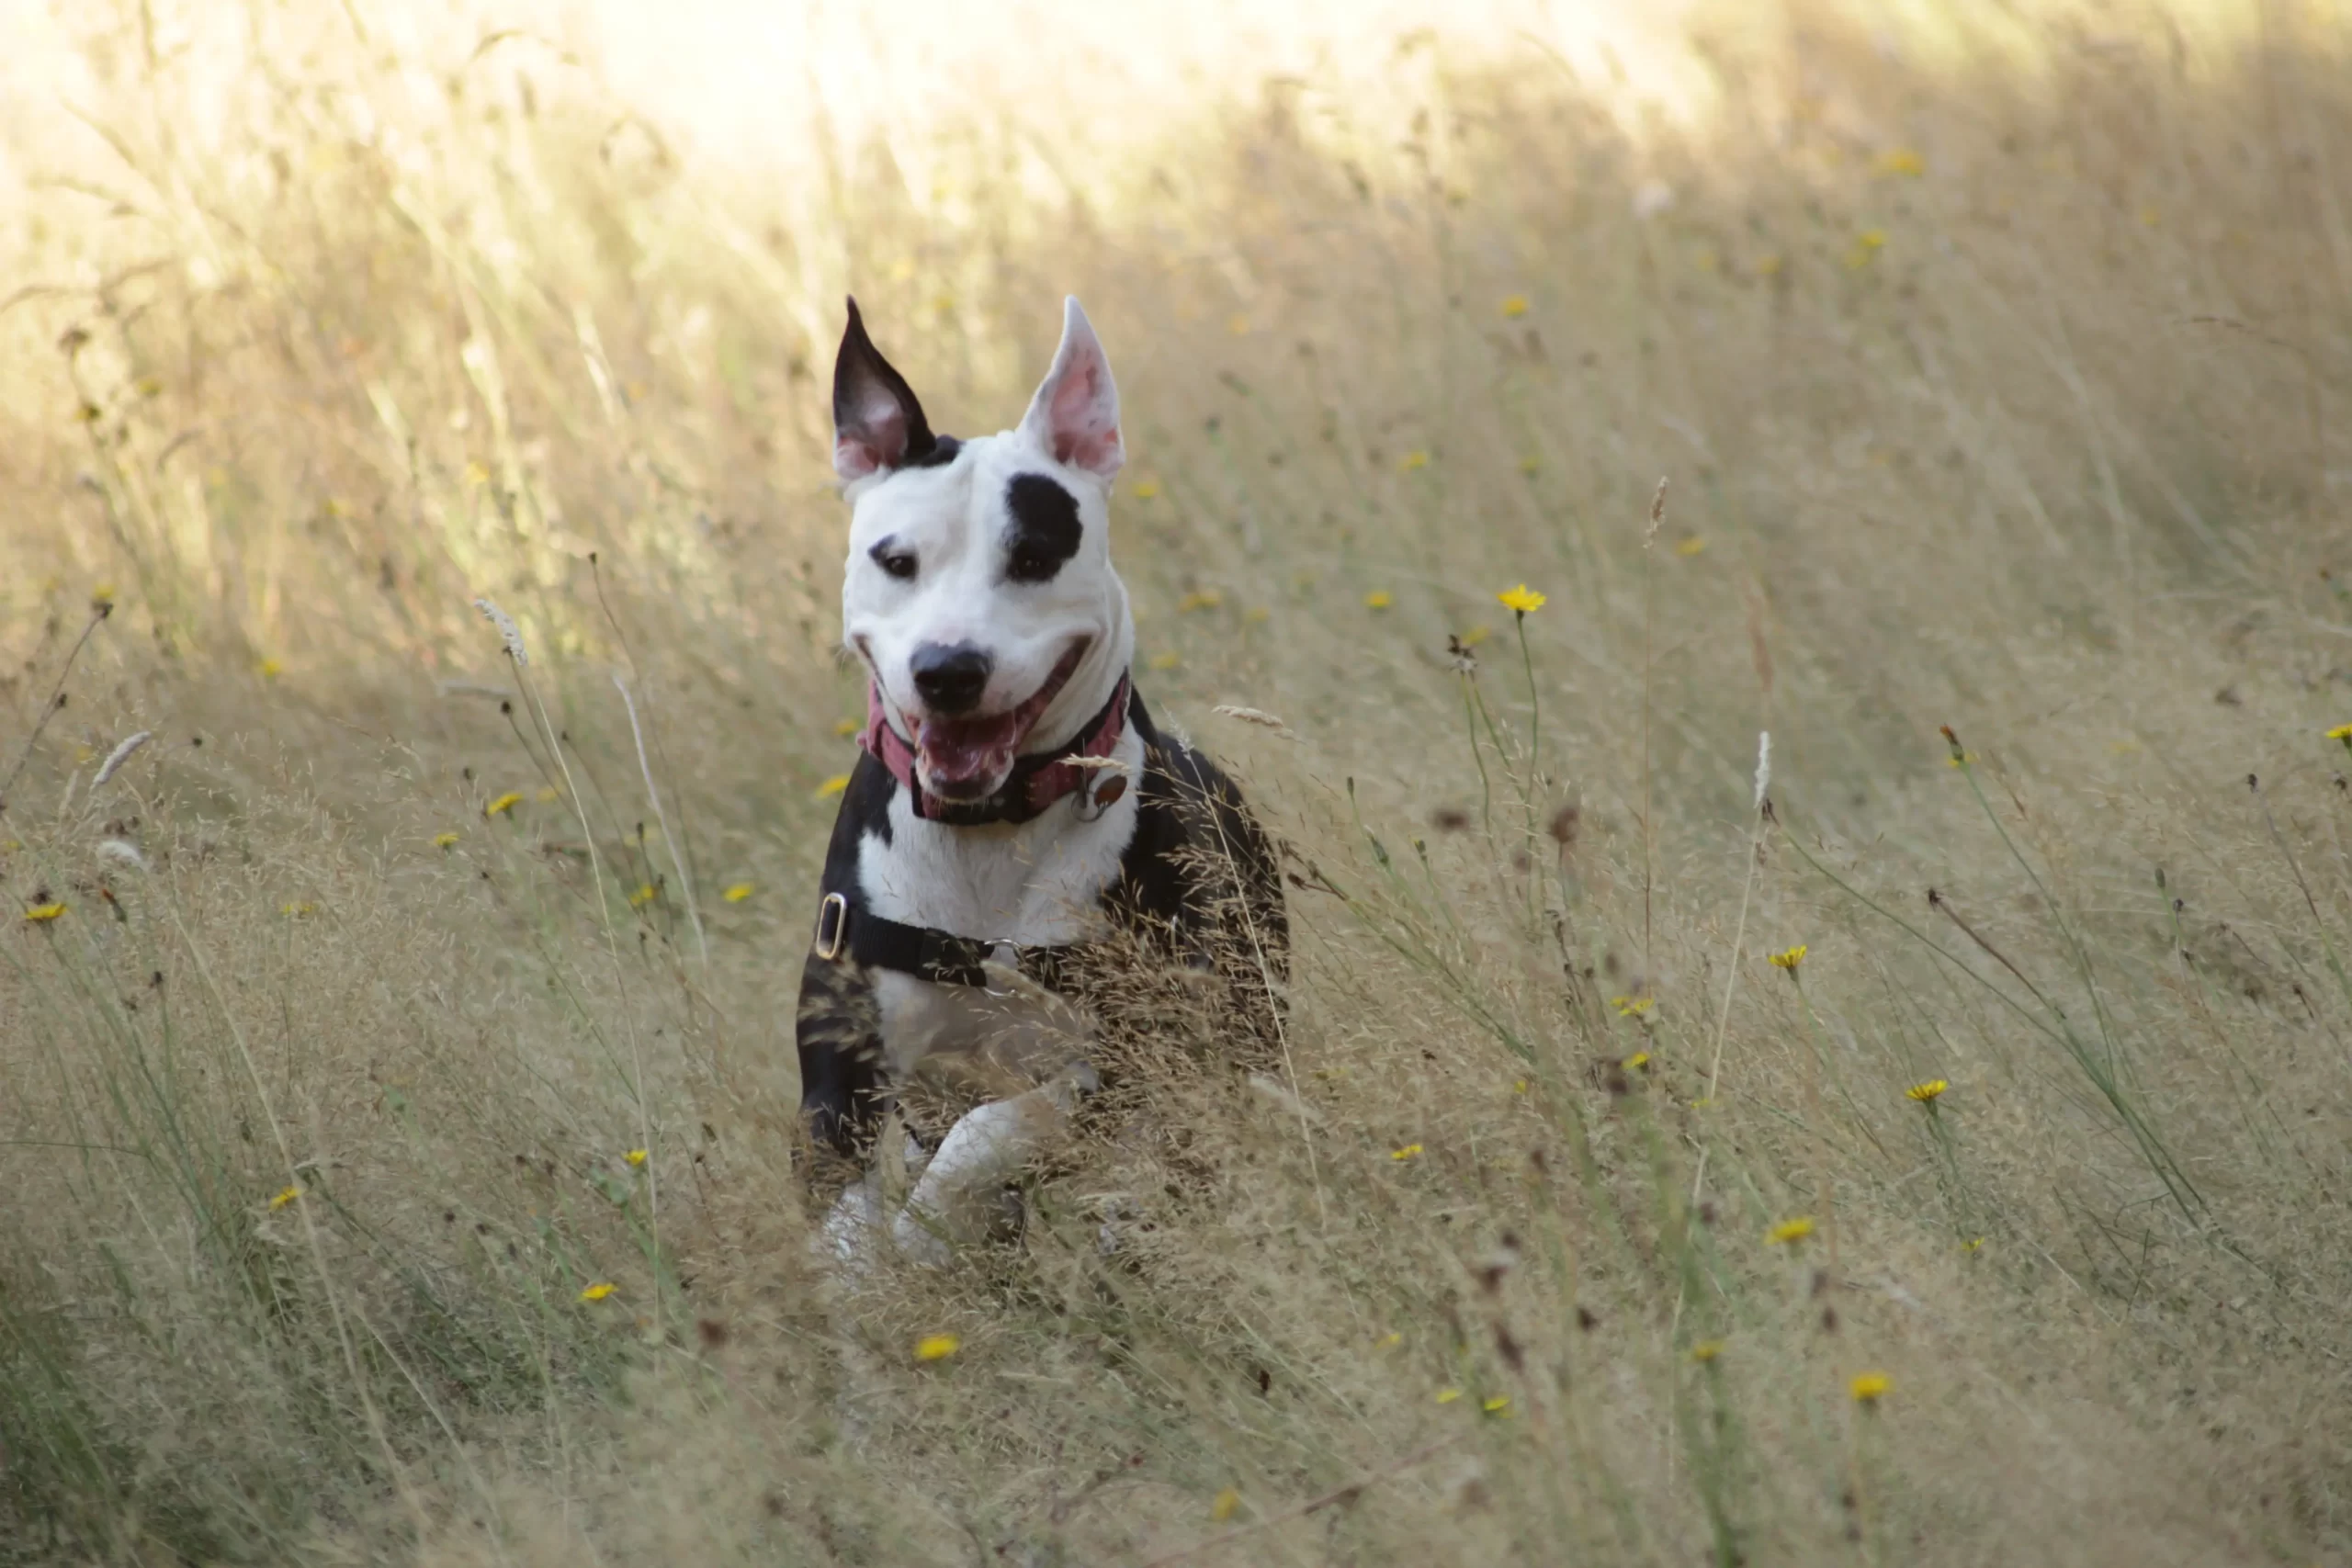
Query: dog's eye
column 900, row 564
column 1031, row 566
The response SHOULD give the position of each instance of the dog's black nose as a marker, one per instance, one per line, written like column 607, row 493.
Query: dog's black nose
column 950, row 679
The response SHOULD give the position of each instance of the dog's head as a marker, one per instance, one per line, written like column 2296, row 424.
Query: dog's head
column 980, row 591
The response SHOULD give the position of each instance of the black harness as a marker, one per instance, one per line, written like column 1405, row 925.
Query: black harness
column 875, row 942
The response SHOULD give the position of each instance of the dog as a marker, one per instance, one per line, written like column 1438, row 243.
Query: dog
column 1015, row 819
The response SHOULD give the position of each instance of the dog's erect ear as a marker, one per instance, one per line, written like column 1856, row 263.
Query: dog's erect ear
column 1075, row 414
column 877, row 424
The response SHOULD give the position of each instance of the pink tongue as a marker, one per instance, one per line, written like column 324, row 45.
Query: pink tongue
column 968, row 751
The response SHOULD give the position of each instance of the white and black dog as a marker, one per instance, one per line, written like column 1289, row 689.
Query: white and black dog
column 1014, row 814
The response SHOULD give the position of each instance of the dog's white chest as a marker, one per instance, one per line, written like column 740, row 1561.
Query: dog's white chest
column 1038, row 884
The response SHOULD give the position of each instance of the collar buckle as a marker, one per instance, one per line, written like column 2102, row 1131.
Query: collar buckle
column 832, row 926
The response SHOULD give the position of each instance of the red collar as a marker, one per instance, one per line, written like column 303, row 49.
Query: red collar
column 1036, row 780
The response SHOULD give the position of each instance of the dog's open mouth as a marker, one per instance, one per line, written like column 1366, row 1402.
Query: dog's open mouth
column 964, row 758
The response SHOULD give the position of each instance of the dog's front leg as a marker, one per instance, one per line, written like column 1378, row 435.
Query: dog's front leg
column 961, row 1196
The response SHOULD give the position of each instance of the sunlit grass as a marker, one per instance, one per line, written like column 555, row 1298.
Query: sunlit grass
column 1852, row 1143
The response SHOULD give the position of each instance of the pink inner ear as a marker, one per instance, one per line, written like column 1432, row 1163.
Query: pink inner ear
column 878, row 441
column 1083, row 435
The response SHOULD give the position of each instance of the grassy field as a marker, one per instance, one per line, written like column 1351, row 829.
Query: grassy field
column 1934, row 1154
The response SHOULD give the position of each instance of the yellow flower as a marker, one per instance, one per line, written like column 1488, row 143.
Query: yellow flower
column 1474, row 636
column 1531, row 466
column 102, row 594
column 503, row 804
column 2341, row 732
column 285, row 1197
column 1691, row 547
column 476, row 474
column 635, row 1156
column 1900, row 161
column 1788, row 1233
column 1972, row 1244
column 1146, row 489
column 1495, row 1404
column 1522, row 600
column 1925, row 1093
column 738, row 893
column 1199, row 598
column 1960, row 759
column 848, row 726
column 1631, row 1007
column 1222, row 1508
column 1520, row 1087
column 44, row 911
column 1870, row 1387
column 1448, row 1395
column 1163, row 661
column 1257, row 614
column 598, row 1292
column 1515, row 305
column 1791, row 959
column 296, row 911
column 1379, row 599
column 1867, row 245
column 1636, row 1062
column 642, row 897
column 1706, row 1350
column 1412, row 461
column 545, row 793
column 443, row 840
column 269, row 668
column 1390, row 1340
column 832, row 786
column 936, row 1347
column 1408, row 1152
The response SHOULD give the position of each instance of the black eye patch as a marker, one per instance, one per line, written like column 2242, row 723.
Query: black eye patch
column 1046, row 530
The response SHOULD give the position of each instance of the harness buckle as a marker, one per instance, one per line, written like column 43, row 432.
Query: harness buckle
column 832, row 926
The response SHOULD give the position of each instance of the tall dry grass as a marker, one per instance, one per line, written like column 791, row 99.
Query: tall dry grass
column 397, row 1108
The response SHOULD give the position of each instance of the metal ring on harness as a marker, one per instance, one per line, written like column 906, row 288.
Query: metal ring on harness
column 832, row 926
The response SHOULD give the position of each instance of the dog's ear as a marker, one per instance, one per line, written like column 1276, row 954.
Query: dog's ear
column 1075, row 414
column 877, row 424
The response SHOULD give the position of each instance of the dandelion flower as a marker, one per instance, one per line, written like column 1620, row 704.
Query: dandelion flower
column 1869, row 1388
column 635, row 1156
column 1926, row 1093
column 848, row 727
column 1199, row 598
column 296, row 911
column 832, row 786
column 598, row 1292
column 1706, row 1350
column 285, row 1196
column 1410, row 1151
column 1146, row 489
column 1788, row 1233
column 102, row 594
column 936, row 1347
column 1164, row 661
column 738, row 893
column 1412, row 461
column 1379, row 599
column 643, row 895
column 1635, row 1062
column 2341, row 732
column 1495, row 1404
column 1521, row 600
column 1691, row 547
column 1227, row 1501
column 1971, row 1244
column 45, row 911
column 1903, row 161
column 1448, row 1395
column 444, row 840
column 1790, row 959
column 269, row 669
column 503, row 804
column 1515, row 305
column 1631, row 1007
column 1390, row 1340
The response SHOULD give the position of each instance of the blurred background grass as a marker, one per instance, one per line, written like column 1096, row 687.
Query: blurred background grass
column 1997, row 359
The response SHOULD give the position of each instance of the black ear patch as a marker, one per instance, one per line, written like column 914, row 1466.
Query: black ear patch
column 873, row 404
column 1046, row 530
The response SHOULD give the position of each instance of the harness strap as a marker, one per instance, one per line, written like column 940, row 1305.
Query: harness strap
column 874, row 942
